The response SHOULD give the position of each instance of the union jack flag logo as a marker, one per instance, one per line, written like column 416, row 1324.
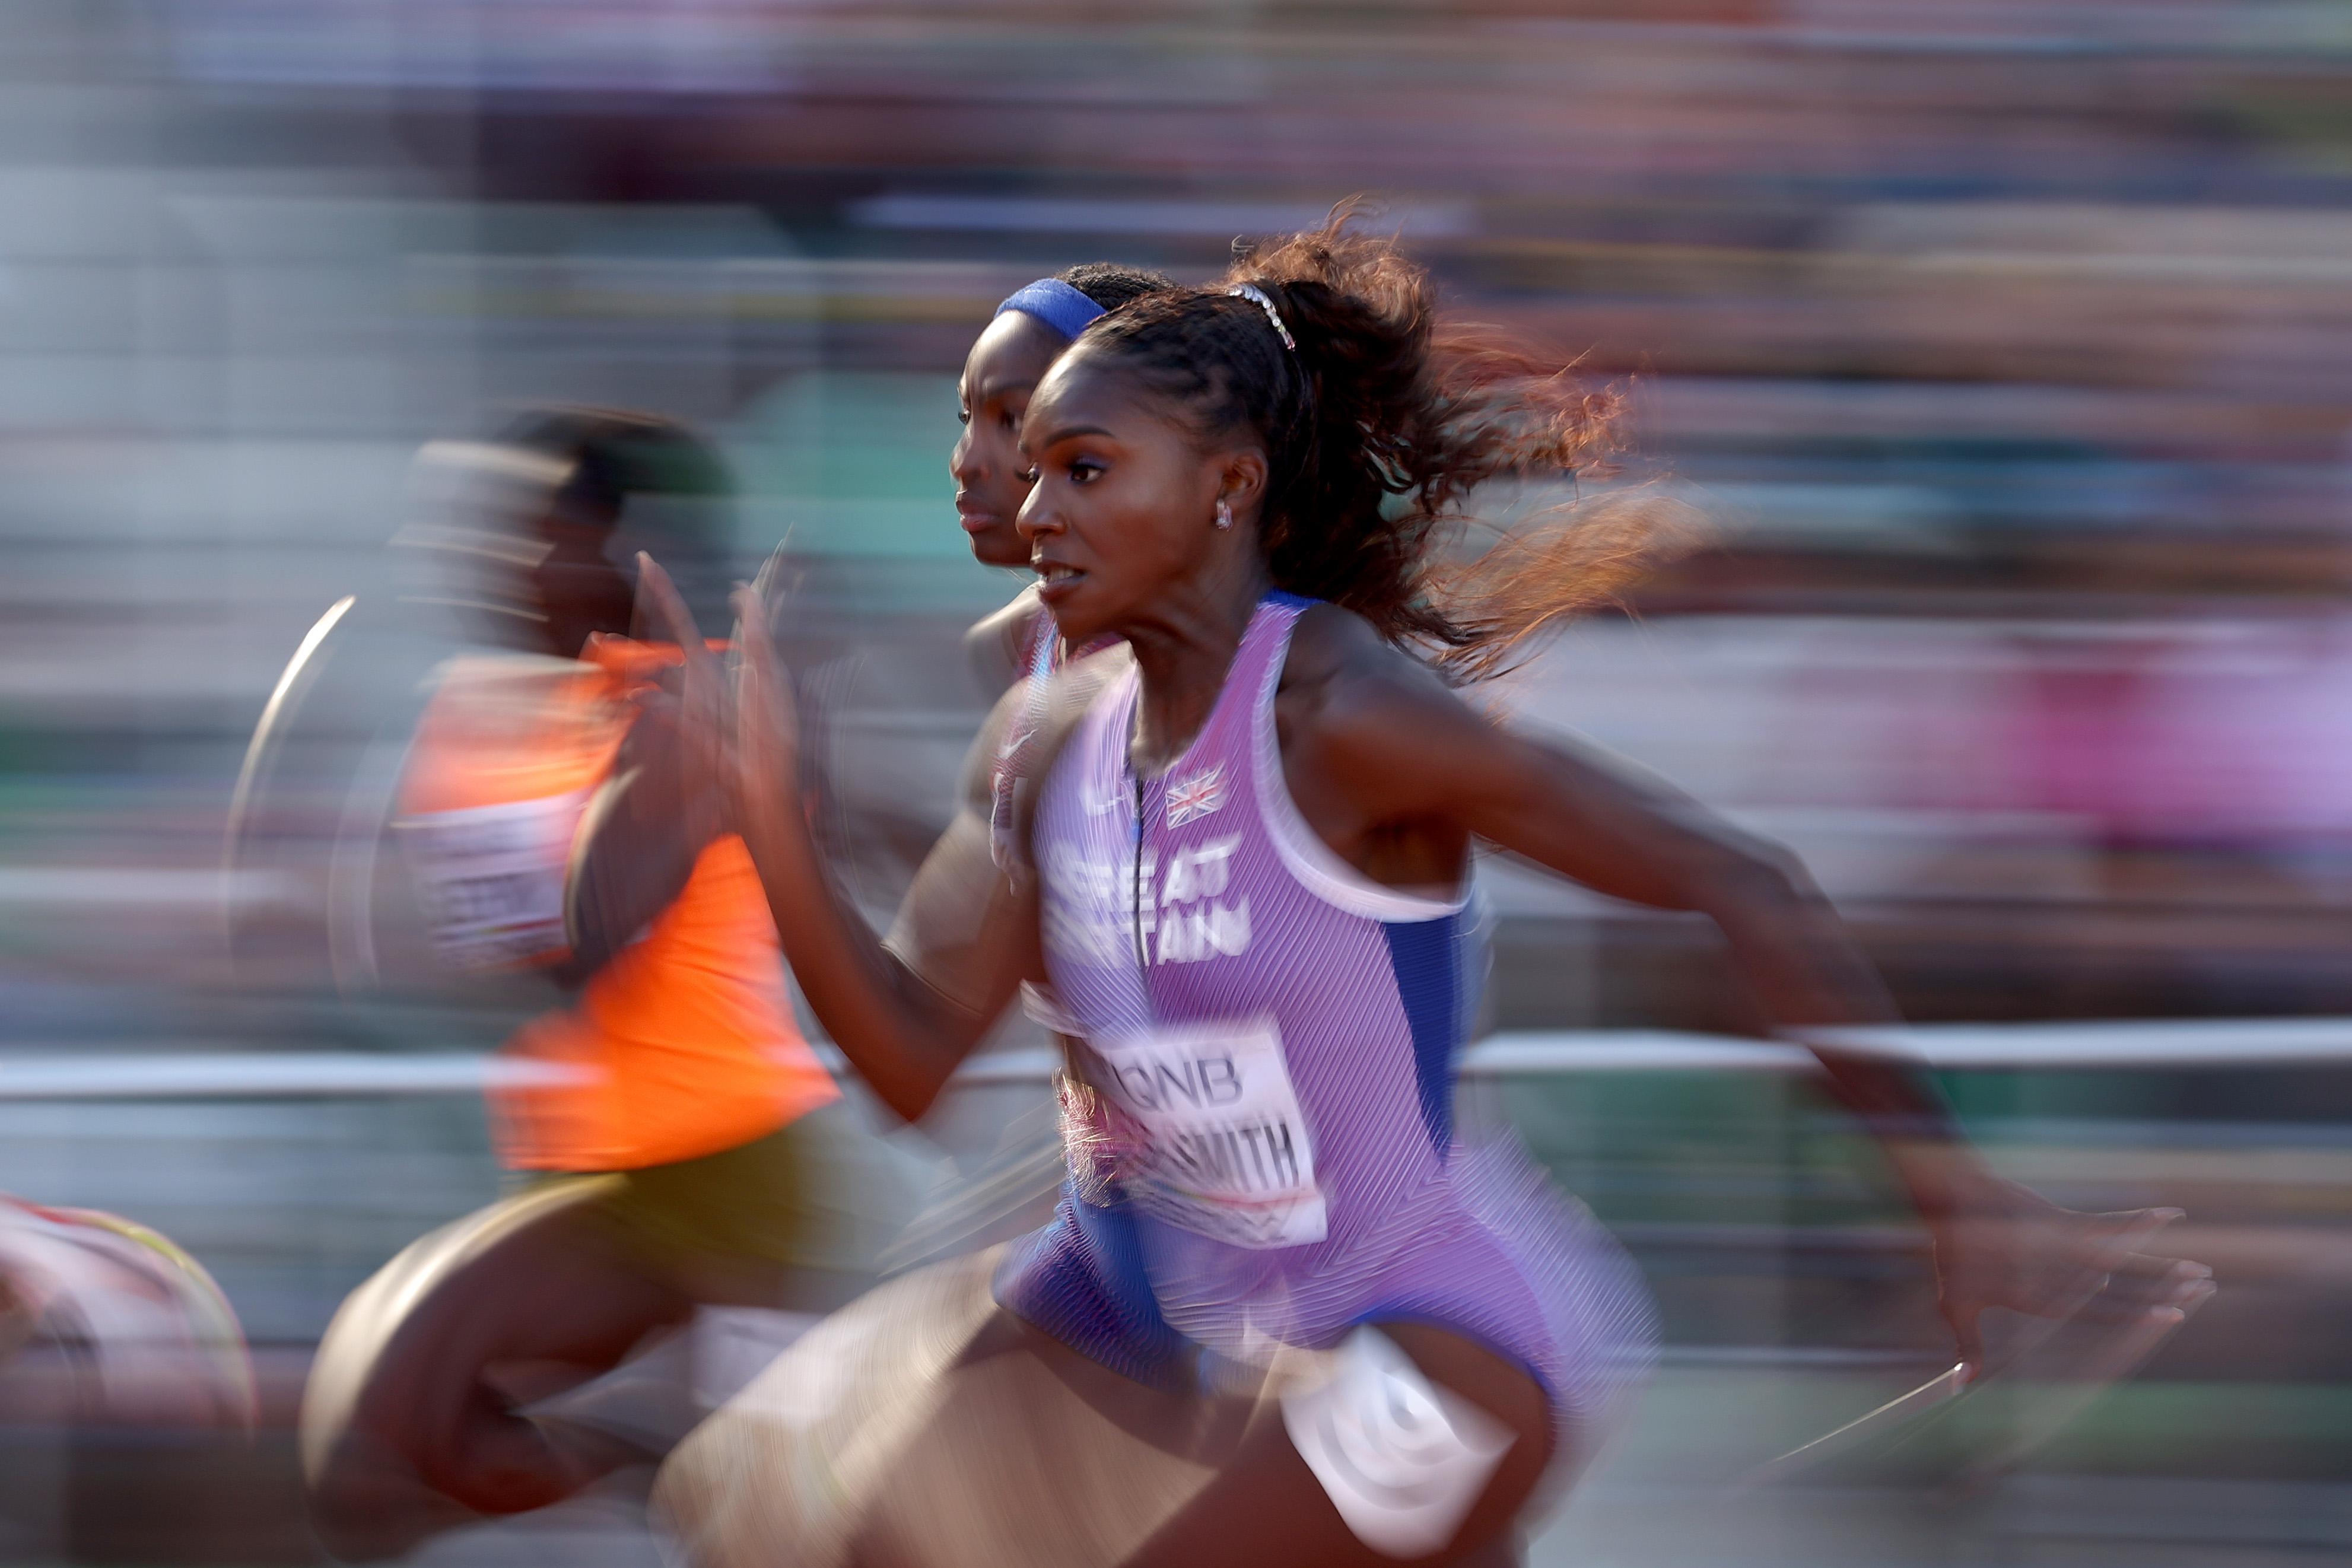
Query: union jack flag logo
column 1196, row 796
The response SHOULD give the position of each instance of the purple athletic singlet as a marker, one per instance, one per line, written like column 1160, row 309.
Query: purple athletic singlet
column 1266, row 1154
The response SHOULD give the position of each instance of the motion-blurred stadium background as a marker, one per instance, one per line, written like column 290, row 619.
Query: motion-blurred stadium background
column 2006, row 342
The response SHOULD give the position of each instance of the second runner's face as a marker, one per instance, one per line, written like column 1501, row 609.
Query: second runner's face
column 1120, row 505
column 998, row 375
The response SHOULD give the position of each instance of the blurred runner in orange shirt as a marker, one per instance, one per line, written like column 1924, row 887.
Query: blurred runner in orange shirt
column 686, row 1147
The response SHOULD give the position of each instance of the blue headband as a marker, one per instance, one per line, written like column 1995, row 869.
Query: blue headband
column 1056, row 304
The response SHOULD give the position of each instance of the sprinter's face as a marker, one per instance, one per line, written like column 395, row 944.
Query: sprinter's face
column 999, row 376
column 1124, row 502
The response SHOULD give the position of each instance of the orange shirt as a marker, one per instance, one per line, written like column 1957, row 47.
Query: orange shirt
column 685, row 1041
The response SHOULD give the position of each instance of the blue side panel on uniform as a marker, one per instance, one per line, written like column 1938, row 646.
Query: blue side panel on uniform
column 1081, row 1280
column 1427, row 958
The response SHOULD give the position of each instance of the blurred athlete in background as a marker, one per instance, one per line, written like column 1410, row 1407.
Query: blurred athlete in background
column 106, row 1321
column 683, row 1145
column 1018, row 645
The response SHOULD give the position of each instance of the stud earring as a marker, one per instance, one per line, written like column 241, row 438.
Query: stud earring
column 1225, row 513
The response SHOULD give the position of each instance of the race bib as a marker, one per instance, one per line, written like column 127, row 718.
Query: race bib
column 491, row 878
column 1222, row 1146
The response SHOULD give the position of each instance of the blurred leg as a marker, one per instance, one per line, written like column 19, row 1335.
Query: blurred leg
column 1267, row 1507
column 409, row 1422
column 923, row 1427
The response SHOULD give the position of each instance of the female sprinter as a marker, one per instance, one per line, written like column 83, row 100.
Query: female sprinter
column 1032, row 328
column 1020, row 644
column 1282, row 1316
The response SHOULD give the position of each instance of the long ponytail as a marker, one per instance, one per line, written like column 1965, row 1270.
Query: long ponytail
column 1380, row 423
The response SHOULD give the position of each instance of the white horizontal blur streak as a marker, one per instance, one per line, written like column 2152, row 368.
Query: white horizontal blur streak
column 238, row 1075
column 2151, row 1044
column 143, row 887
column 251, row 1075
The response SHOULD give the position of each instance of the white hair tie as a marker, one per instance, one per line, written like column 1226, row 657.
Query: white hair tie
column 1257, row 297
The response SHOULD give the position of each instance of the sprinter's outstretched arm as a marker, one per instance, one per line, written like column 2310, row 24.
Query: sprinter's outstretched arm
column 1374, row 743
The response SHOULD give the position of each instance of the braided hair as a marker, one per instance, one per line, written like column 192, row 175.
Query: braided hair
column 1377, row 427
column 1111, row 284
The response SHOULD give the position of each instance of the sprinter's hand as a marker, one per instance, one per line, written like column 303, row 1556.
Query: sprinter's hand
column 2000, row 1245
